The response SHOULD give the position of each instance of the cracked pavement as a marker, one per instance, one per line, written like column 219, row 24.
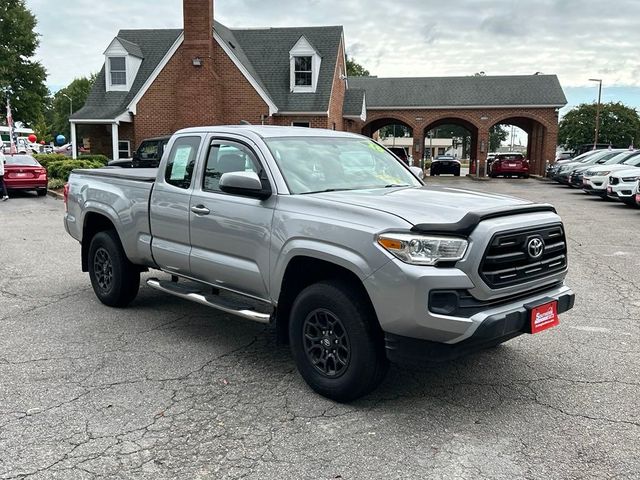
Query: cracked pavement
column 168, row 389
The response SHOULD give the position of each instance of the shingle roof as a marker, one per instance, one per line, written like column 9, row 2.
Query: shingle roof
column 267, row 51
column 132, row 48
column 353, row 101
column 153, row 46
column 472, row 91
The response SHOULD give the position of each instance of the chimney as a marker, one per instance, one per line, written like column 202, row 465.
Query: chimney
column 198, row 21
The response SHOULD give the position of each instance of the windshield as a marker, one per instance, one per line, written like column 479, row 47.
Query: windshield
column 601, row 157
column 20, row 160
column 321, row 164
column 633, row 161
column 620, row 158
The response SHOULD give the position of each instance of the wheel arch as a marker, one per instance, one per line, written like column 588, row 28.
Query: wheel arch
column 302, row 271
column 93, row 223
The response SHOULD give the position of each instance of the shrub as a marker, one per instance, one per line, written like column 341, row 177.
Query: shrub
column 56, row 183
column 95, row 158
column 46, row 158
column 62, row 169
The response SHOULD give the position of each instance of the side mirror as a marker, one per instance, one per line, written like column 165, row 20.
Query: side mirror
column 418, row 172
column 243, row 183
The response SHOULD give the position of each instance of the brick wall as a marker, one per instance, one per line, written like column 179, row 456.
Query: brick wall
column 336, row 102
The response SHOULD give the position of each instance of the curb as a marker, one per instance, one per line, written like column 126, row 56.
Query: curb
column 540, row 178
column 56, row 195
column 478, row 179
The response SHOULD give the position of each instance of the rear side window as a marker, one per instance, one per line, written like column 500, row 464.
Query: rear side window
column 148, row 150
column 182, row 161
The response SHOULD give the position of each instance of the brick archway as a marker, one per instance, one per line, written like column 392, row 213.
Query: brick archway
column 542, row 122
column 542, row 137
column 465, row 121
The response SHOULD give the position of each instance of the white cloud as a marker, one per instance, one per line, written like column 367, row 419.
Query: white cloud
column 576, row 39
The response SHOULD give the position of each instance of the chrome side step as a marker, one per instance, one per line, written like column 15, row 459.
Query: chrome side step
column 213, row 301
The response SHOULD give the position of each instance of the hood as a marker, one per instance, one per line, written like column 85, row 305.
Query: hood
column 424, row 205
column 608, row 168
column 627, row 172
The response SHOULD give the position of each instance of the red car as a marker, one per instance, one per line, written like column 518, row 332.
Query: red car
column 509, row 165
column 23, row 172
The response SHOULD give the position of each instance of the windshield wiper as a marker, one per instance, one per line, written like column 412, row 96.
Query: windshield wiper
column 328, row 190
column 394, row 185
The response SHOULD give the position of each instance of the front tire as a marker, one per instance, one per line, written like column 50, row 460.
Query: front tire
column 336, row 342
column 115, row 280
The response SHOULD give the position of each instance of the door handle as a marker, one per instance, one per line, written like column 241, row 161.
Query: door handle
column 200, row 210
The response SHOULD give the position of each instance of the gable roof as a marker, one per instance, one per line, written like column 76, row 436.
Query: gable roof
column 354, row 101
column 131, row 48
column 267, row 53
column 153, row 45
column 461, row 92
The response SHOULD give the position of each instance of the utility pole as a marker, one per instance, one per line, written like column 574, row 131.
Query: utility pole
column 599, row 80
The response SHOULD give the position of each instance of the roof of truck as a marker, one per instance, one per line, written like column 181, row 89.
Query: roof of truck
column 270, row 131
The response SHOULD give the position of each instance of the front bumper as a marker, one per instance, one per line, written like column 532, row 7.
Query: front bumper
column 494, row 326
column 595, row 185
column 620, row 191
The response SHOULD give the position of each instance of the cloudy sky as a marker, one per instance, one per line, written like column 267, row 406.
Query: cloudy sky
column 575, row 39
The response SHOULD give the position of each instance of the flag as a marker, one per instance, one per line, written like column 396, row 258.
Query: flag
column 12, row 131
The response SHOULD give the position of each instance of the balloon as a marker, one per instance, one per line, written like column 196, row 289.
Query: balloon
column 32, row 138
column 60, row 139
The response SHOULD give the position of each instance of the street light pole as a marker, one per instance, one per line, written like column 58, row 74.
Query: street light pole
column 599, row 80
column 73, row 147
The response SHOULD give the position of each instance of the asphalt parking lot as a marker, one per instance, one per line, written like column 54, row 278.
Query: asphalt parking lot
column 167, row 389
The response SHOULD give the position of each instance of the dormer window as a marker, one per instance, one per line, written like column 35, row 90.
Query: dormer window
column 121, row 64
column 303, row 71
column 305, row 67
column 118, row 68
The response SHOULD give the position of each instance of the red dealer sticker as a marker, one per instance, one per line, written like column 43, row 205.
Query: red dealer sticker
column 544, row 317
column 638, row 197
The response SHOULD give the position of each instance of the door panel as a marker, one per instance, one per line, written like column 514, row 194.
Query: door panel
column 230, row 243
column 170, row 207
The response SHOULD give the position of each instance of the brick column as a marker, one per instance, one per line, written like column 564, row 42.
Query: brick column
column 418, row 146
column 481, row 150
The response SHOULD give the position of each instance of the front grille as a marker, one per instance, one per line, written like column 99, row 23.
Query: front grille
column 507, row 261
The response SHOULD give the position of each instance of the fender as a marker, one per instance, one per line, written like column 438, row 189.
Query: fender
column 297, row 247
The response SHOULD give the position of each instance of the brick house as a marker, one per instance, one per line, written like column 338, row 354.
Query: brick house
column 155, row 82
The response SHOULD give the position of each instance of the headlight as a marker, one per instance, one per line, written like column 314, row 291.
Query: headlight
column 602, row 174
column 423, row 250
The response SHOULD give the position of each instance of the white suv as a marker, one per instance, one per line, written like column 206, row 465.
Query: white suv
column 596, row 179
column 622, row 185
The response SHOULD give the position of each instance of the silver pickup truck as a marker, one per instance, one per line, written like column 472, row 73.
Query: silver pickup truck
column 330, row 238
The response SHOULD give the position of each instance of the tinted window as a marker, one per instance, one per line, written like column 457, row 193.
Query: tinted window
column 226, row 157
column 182, row 161
column 148, row 150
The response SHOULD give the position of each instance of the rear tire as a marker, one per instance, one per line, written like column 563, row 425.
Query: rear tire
column 336, row 342
column 42, row 192
column 115, row 280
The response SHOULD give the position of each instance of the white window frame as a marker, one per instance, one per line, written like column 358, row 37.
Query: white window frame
column 303, row 48
column 111, row 71
column 120, row 149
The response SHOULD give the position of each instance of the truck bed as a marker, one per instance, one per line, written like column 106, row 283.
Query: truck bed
column 137, row 174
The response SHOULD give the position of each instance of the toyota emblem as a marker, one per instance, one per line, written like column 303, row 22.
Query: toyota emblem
column 535, row 247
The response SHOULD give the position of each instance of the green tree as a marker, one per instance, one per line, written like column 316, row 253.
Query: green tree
column 78, row 90
column 22, row 79
column 497, row 135
column 354, row 69
column 619, row 125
